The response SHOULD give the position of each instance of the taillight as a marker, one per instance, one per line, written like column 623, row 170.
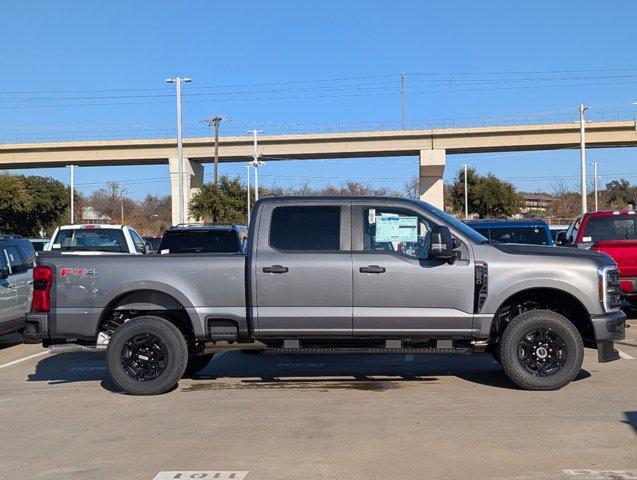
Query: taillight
column 42, row 282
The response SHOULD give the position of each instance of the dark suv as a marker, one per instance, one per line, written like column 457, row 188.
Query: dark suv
column 204, row 239
column 17, row 258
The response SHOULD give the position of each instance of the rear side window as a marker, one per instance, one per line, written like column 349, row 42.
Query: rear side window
column 15, row 260
column 200, row 242
column 306, row 228
column 91, row 240
column 28, row 254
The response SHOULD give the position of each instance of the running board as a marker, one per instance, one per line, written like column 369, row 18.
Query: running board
column 377, row 350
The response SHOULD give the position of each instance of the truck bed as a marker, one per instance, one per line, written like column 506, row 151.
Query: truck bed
column 205, row 285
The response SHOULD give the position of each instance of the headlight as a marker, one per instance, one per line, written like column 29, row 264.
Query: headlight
column 608, row 284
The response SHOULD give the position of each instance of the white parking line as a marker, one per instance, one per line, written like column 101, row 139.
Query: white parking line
column 625, row 356
column 23, row 359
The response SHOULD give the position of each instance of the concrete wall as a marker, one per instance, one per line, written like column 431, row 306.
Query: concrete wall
column 193, row 180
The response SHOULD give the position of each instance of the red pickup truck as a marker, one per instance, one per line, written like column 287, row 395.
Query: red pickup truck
column 613, row 233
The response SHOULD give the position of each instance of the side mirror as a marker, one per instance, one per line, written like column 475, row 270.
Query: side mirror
column 4, row 273
column 560, row 240
column 442, row 244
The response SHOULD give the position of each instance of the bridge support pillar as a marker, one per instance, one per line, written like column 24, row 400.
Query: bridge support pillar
column 430, row 185
column 193, row 180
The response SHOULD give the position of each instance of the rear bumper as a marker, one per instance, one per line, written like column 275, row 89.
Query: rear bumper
column 608, row 327
column 37, row 327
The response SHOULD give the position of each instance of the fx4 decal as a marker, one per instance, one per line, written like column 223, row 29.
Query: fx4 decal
column 77, row 272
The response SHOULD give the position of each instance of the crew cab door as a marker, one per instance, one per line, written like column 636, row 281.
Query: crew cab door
column 398, row 290
column 303, row 271
column 7, row 295
column 20, row 278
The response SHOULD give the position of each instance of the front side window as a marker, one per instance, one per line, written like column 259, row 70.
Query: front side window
column 140, row 245
column 611, row 227
column 395, row 230
column 91, row 240
column 312, row 228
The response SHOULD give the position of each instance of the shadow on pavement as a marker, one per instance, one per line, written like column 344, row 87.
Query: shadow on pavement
column 10, row 340
column 286, row 371
column 631, row 419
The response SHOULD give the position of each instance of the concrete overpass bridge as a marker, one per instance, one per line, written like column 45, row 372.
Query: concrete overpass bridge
column 430, row 146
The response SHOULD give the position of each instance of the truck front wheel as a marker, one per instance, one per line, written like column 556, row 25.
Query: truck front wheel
column 541, row 350
column 147, row 355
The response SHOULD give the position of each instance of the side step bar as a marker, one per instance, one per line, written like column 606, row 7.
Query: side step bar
column 400, row 351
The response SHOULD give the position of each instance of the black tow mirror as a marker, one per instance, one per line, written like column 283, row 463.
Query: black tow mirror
column 442, row 244
column 560, row 240
column 4, row 273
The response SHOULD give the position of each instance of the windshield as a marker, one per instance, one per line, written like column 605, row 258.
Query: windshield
column 455, row 223
column 91, row 240
column 529, row 235
column 200, row 242
column 611, row 227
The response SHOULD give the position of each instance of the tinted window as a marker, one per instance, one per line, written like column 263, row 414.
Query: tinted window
column 612, row 227
column 153, row 242
column 28, row 254
column 91, row 240
column 15, row 260
column 189, row 241
column 528, row 235
column 306, row 228
column 38, row 245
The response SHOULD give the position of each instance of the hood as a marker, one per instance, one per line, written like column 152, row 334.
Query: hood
column 520, row 249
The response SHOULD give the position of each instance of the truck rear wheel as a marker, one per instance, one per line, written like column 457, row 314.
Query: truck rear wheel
column 147, row 356
column 541, row 350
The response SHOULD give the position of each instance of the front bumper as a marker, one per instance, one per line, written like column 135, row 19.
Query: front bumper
column 37, row 327
column 608, row 328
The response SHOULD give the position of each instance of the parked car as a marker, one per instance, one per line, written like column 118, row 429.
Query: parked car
column 204, row 239
column 556, row 229
column 96, row 240
column 152, row 241
column 613, row 233
column 532, row 232
column 39, row 243
column 310, row 283
column 17, row 258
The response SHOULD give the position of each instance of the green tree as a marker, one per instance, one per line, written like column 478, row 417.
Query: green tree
column 222, row 203
column 619, row 194
column 489, row 197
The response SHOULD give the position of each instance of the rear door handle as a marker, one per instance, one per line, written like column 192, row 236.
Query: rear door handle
column 276, row 269
column 372, row 269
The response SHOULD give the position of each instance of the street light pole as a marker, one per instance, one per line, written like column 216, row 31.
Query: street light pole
column 248, row 191
column 466, row 193
column 180, row 151
column 596, row 183
column 72, row 168
column 402, row 92
column 582, row 109
column 256, row 163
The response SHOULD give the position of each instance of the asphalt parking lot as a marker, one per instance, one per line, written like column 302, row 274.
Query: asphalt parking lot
column 316, row 417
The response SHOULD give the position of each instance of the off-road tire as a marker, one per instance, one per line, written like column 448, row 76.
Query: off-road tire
column 196, row 363
column 531, row 320
column 175, row 353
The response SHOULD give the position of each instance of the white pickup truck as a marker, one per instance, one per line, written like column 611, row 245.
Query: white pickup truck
column 96, row 240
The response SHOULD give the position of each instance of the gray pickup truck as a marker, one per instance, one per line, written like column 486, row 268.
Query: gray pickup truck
column 335, row 275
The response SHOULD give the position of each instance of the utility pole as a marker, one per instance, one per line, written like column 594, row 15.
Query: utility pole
column 582, row 109
column 214, row 122
column 180, row 151
column 402, row 82
column 596, row 183
column 466, row 193
column 255, row 163
column 72, row 168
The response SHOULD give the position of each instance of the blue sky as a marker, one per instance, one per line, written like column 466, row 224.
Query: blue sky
column 86, row 66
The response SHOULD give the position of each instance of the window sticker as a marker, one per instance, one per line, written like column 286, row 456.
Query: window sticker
column 164, row 251
column 587, row 239
column 394, row 228
column 371, row 216
column 57, row 245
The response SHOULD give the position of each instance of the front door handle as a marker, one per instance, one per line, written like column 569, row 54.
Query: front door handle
column 276, row 269
column 372, row 269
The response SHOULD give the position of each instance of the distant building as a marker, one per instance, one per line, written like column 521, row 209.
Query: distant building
column 90, row 215
column 536, row 202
